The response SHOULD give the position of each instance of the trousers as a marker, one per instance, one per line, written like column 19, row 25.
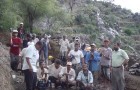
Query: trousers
column 117, row 78
column 14, row 61
column 30, row 79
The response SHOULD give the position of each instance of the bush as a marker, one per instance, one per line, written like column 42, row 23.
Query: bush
column 128, row 32
column 88, row 29
column 36, row 31
column 82, row 19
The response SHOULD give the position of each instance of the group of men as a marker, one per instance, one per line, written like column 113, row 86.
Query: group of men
column 80, row 65
column 101, row 62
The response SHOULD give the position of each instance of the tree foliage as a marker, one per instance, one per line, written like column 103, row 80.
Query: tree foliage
column 8, row 15
column 34, row 9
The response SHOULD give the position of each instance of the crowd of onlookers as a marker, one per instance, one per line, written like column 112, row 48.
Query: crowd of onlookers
column 80, row 65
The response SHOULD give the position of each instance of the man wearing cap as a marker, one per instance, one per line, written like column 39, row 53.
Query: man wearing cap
column 15, row 47
column 21, row 31
column 119, row 60
column 93, row 59
column 67, row 76
column 106, row 56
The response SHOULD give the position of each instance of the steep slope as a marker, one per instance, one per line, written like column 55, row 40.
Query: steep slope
column 95, row 20
column 5, row 71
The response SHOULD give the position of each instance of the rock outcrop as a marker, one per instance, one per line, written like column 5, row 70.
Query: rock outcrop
column 5, row 71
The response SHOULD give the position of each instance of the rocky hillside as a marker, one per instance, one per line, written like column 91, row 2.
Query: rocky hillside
column 6, row 82
column 94, row 21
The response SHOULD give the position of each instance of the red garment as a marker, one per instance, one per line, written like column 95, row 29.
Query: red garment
column 15, row 49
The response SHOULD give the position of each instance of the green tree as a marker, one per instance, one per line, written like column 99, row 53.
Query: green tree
column 34, row 9
column 8, row 14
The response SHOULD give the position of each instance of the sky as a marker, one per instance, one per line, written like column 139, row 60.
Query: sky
column 133, row 5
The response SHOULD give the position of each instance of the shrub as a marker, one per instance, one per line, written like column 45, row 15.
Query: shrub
column 128, row 32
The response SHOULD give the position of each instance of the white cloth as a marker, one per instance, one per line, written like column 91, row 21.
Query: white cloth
column 53, row 71
column 35, row 40
column 22, row 53
column 64, row 45
column 33, row 55
column 77, row 56
column 81, row 77
column 71, row 77
column 31, row 43
column 40, row 76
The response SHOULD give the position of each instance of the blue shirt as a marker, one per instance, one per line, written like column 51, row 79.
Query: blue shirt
column 93, row 62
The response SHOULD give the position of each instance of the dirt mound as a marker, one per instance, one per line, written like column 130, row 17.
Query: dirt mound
column 5, row 76
column 132, row 82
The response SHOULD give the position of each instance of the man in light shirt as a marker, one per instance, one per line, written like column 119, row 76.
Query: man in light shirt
column 67, row 76
column 76, row 57
column 29, row 65
column 54, row 71
column 85, row 78
column 119, row 59
column 42, row 72
column 64, row 46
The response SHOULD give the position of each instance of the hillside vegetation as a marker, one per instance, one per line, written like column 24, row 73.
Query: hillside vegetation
column 92, row 19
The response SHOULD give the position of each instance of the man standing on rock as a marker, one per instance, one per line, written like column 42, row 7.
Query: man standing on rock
column 15, row 46
column 119, row 60
column 29, row 65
